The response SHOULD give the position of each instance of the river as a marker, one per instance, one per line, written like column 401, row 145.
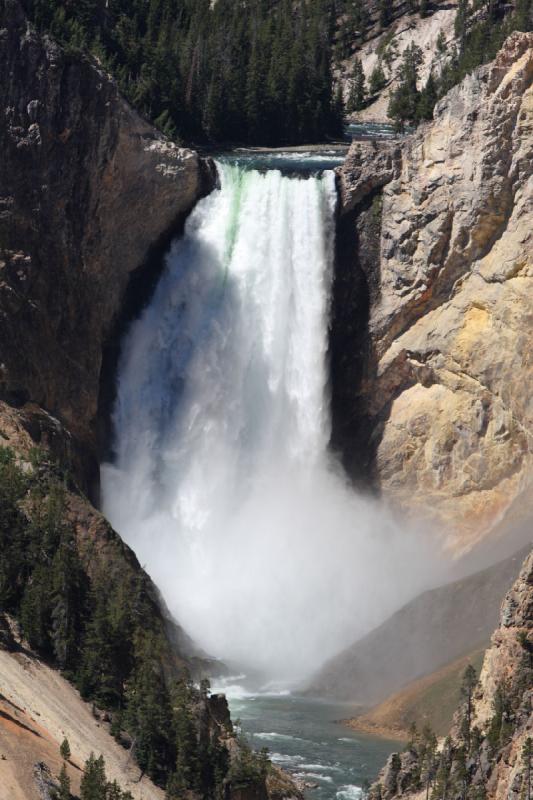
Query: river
column 304, row 736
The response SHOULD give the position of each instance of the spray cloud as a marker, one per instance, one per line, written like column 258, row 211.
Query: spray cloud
column 222, row 483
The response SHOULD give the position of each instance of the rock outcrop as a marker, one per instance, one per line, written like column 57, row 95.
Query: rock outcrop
column 485, row 753
column 437, row 403
column 87, row 189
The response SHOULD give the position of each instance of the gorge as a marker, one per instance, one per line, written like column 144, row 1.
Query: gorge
column 322, row 410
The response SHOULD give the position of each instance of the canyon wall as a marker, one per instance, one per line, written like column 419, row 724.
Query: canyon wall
column 90, row 194
column 488, row 753
column 435, row 403
column 88, row 190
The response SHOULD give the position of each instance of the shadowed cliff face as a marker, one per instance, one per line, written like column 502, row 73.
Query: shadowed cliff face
column 443, row 395
column 355, row 291
column 86, row 189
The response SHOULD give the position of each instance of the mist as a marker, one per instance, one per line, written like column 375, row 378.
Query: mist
column 222, row 481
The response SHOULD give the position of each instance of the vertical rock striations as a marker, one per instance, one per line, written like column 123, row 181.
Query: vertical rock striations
column 444, row 389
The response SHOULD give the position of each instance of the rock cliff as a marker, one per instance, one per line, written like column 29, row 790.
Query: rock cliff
column 90, row 195
column 435, row 273
column 485, row 754
column 87, row 190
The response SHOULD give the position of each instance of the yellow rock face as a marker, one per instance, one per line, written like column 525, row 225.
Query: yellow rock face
column 451, row 323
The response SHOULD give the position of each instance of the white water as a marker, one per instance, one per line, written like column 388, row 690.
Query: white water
column 222, row 481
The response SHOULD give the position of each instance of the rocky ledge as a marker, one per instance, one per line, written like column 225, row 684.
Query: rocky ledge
column 437, row 239
column 87, row 188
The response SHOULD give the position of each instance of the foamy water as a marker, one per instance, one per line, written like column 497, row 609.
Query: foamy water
column 222, row 481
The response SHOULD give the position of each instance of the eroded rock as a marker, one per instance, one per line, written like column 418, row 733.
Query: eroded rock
column 446, row 387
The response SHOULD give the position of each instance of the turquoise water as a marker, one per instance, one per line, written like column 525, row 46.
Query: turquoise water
column 370, row 130
column 289, row 162
column 305, row 161
column 306, row 738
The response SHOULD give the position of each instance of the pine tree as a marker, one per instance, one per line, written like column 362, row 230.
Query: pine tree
column 404, row 100
column 441, row 789
column 114, row 792
column 441, row 42
column 67, row 598
column 338, row 107
column 498, row 731
column 93, row 782
column 468, row 685
column 64, row 784
column 428, row 758
column 64, row 749
column 413, row 736
column 460, row 773
column 148, row 715
column 187, row 771
column 35, row 610
column 377, row 79
column 428, row 98
column 357, row 96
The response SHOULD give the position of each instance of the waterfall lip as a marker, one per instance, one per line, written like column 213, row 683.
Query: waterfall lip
column 304, row 163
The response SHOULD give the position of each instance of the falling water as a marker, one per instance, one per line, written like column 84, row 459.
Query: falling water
column 222, row 481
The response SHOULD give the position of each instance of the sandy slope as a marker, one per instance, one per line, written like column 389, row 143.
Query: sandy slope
column 410, row 29
column 38, row 708
column 430, row 700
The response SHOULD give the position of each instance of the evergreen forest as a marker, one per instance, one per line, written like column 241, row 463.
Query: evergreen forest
column 257, row 71
column 262, row 72
column 100, row 626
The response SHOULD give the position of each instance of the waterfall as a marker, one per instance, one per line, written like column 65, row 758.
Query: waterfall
column 222, row 482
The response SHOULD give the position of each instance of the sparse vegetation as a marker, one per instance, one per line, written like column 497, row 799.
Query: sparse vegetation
column 94, row 783
column 461, row 767
column 480, row 30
